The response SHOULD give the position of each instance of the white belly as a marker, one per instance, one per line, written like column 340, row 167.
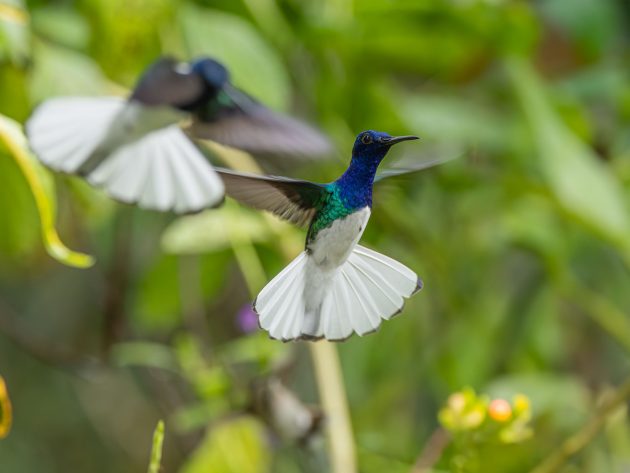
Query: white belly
column 326, row 254
column 333, row 245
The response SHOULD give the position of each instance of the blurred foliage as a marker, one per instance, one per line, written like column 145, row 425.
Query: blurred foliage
column 522, row 244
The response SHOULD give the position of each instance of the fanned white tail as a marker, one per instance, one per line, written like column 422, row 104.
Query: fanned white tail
column 135, row 153
column 305, row 301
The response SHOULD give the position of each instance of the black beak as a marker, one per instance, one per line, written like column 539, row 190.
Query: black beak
column 397, row 139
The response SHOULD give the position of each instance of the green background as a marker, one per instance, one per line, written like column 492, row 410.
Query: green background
column 523, row 242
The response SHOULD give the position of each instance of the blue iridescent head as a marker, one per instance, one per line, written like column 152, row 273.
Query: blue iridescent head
column 213, row 73
column 374, row 145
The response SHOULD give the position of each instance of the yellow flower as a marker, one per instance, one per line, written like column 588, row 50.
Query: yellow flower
column 6, row 412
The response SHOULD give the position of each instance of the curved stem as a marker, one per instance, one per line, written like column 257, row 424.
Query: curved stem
column 13, row 138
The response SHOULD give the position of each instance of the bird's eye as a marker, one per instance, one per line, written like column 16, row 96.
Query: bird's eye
column 366, row 139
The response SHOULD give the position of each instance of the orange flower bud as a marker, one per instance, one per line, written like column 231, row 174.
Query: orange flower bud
column 500, row 410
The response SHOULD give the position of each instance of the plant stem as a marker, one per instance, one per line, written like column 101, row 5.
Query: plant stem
column 15, row 142
column 332, row 395
column 572, row 445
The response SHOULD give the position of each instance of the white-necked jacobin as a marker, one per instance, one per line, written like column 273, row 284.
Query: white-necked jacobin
column 335, row 287
column 141, row 150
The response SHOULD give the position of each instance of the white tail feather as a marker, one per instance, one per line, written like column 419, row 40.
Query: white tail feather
column 356, row 297
column 160, row 170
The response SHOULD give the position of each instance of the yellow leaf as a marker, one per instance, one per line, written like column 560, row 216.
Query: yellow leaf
column 13, row 138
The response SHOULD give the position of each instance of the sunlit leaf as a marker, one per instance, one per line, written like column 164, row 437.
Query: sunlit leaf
column 236, row 446
column 6, row 412
column 14, row 140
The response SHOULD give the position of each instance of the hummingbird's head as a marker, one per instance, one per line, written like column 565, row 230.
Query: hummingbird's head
column 375, row 144
column 213, row 73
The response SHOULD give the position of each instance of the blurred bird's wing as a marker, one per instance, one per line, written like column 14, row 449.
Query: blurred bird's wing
column 168, row 82
column 242, row 122
column 393, row 172
column 290, row 199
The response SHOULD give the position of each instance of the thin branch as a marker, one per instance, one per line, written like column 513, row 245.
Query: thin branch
column 432, row 451
column 572, row 445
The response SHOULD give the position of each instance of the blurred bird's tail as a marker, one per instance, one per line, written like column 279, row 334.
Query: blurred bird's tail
column 94, row 137
column 305, row 302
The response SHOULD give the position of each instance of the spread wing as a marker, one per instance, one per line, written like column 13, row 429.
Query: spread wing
column 392, row 172
column 290, row 199
column 168, row 82
column 243, row 123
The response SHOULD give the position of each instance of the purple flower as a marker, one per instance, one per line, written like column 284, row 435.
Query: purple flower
column 247, row 319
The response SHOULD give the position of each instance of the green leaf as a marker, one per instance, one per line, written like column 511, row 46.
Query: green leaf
column 236, row 446
column 253, row 64
column 150, row 354
column 51, row 76
column 583, row 185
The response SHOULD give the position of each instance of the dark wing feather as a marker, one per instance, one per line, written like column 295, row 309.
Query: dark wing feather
column 168, row 82
column 392, row 172
column 290, row 199
column 242, row 122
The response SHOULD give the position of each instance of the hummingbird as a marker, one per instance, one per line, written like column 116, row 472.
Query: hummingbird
column 335, row 287
column 143, row 149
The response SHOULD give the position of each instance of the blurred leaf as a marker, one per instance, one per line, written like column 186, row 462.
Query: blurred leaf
column 453, row 120
column 254, row 65
column 157, row 306
column 594, row 24
column 6, row 411
column 15, row 141
column 64, row 26
column 156, row 448
column 51, row 76
column 583, row 185
column 214, row 230
column 236, row 446
column 562, row 398
column 145, row 354
column 194, row 417
column 126, row 36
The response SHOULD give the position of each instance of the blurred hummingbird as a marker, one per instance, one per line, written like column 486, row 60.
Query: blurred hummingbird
column 334, row 287
column 142, row 149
